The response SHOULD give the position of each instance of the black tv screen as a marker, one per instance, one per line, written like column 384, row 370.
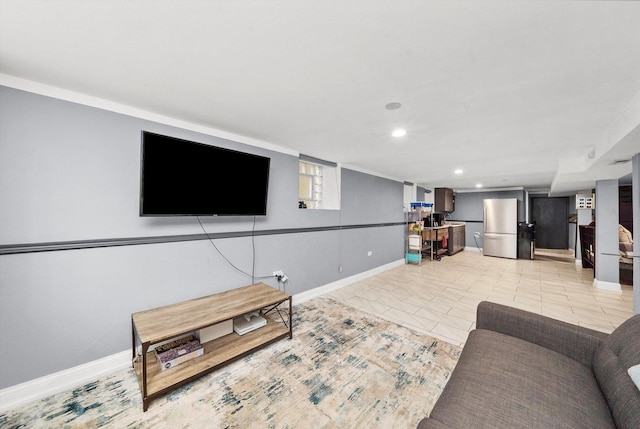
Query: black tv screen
column 185, row 178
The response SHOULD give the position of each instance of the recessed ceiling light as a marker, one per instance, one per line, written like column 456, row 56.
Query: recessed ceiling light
column 393, row 106
column 458, row 171
column 399, row 133
column 479, row 185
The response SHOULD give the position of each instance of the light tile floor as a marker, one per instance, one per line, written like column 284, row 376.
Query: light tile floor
column 439, row 298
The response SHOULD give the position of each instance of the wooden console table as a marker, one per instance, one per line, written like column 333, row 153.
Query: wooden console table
column 163, row 323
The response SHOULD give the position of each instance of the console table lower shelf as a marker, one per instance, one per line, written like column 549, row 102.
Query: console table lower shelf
column 155, row 382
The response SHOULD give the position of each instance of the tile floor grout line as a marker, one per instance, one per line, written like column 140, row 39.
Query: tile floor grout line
column 551, row 284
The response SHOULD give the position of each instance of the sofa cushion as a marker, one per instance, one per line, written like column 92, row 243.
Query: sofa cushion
column 624, row 235
column 626, row 249
column 626, row 252
column 575, row 342
column 611, row 363
column 505, row 382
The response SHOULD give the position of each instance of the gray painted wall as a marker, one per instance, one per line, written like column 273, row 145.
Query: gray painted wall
column 607, row 220
column 71, row 172
column 422, row 194
column 470, row 209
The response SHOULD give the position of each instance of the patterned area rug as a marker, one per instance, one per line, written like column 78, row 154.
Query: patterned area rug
column 342, row 369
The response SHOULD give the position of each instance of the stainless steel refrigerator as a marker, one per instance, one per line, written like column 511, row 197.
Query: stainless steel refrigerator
column 501, row 228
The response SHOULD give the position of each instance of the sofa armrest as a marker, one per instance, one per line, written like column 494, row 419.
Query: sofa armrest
column 577, row 342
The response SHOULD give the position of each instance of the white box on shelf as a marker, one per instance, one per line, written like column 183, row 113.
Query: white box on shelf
column 178, row 351
column 218, row 330
column 415, row 242
column 247, row 323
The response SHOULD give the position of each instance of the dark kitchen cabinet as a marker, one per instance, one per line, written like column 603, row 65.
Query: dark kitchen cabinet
column 444, row 200
column 457, row 239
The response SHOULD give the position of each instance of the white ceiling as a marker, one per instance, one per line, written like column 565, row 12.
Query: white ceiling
column 515, row 93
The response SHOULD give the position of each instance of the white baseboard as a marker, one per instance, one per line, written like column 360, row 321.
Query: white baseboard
column 330, row 287
column 21, row 394
column 24, row 393
column 599, row 284
column 473, row 249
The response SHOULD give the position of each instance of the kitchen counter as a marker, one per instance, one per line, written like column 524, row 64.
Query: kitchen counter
column 446, row 225
column 457, row 240
column 448, row 238
column 435, row 233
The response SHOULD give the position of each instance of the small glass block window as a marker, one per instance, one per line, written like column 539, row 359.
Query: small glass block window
column 309, row 185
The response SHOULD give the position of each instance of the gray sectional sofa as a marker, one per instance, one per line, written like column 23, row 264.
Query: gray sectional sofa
column 522, row 370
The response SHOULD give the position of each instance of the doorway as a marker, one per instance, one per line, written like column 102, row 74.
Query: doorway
column 552, row 222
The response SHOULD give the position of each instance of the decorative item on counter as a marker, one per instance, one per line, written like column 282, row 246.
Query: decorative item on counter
column 416, row 226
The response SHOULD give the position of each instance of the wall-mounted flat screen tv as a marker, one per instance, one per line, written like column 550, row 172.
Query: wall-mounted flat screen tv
column 185, row 178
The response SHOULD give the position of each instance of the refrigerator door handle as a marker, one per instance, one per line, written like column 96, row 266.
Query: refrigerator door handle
column 484, row 221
